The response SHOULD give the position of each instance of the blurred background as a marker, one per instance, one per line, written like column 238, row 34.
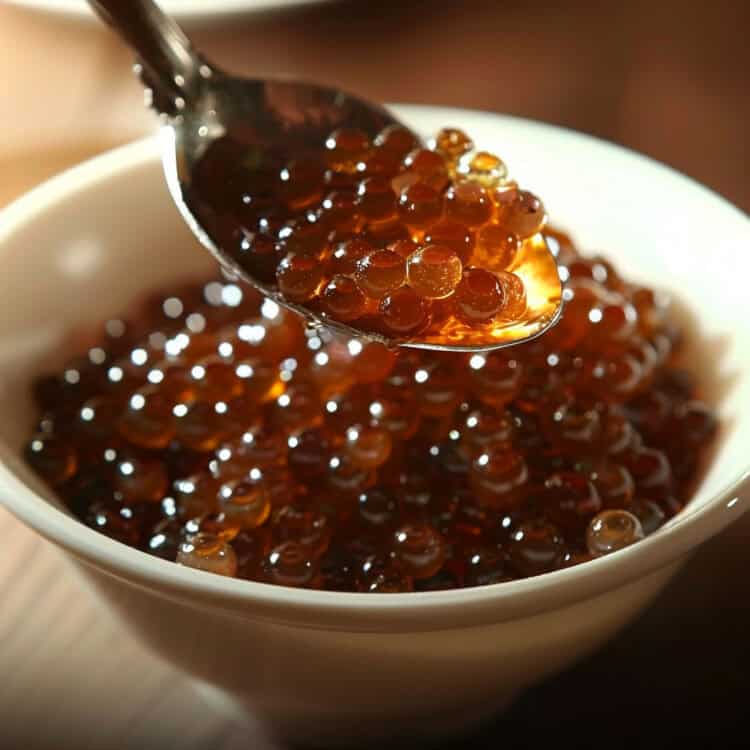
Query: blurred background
column 667, row 78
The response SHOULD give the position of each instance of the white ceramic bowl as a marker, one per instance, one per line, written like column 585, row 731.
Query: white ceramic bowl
column 323, row 665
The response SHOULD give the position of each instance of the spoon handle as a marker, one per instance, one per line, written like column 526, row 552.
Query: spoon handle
column 170, row 65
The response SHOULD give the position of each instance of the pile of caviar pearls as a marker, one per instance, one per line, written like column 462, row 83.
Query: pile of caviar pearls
column 209, row 427
column 387, row 235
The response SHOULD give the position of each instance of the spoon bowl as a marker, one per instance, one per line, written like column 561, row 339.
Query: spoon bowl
column 203, row 104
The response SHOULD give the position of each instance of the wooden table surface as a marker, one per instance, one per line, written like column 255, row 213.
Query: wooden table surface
column 71, row 678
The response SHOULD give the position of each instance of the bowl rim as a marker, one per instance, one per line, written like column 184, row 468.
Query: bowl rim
column 190, row 12
column 419, row 611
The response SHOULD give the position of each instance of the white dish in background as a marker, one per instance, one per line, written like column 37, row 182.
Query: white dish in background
column 321, row 665
column 191, row 12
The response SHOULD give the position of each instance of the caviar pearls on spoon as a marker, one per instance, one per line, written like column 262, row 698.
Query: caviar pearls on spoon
column 328, row 205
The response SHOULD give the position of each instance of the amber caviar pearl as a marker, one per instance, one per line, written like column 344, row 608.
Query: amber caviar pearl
column 306, row 526
column 338, row 211
column 245, row 501
column 376, row 200
column 290, row 564
column 487, row 169
column 52, row 457
column 479, row 296
column 345, row 148
column 397, row 140
column 425, row 166
column 371, row 362
column 368, row 447
column 380, row 272
column 495, row 379
column 514, row 293
column 209, row 553
column 536, row 547
column 612, row 530
column 469, row 203
column 347, row 254
column 453, row 143
column 570, row 499
column 420, row 205
column 148, row 420
column 496, row 248
column 139, row 480
column 299, row 277
column 343, row 299
column 300, row 184
column 420, row 549
column 434, row 271
column 520, row 212
column 404, row 311
column 453, row 234
column 498, row 477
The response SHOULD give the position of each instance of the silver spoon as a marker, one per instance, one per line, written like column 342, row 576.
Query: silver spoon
column 201, row 103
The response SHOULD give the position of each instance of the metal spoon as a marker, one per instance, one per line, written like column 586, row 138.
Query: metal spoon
column 201, row 103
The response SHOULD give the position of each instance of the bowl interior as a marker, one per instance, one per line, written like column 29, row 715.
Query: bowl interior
column 104, row 240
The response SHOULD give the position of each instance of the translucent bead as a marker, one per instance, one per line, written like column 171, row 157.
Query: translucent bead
column 423, row 165
column 138, row 480
column 396, row 139
column 612, row 530
column 299, row 277
column 261, row 380
column 496, row 248
column 514, row 295
column 305, row 238
column 147, row 420
column 453, row 234
column 420, row 549
column 298, row 408
column 486, row 565
column 96, row 417
column 199, row 426
column 380, row 272
column 452, row 143
column 469, row 203
column 116, row 521
column 614, row 484
column 380, row 576
column 574, row 427
column 306, row 526
column 164, row 540
column 376, row 200
column 404, row 312
column 438, row 388
column 495, row 379
column 368, row 447
column 434, row 271
column 209, row 553
column 485, row 429
column 339, row 211
column 570, row 499
column 346, row 256
column 251, row 549
column 498, row 478
column 487, row 169
column 346, row 148
column 652, row 473
column 345, row 478
column 396, row 412
column 262, row 448
column 300, row 183
column 245, row 501
column 420, row 205
column 519, row 212
column 343, row 299
column 214, row 379
column 309, row 454
column 196, row 495
column 372, row 362
column 52, row 457
column 290, row 564
column 377, row 508
column 479, row 296
column 536, row 547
